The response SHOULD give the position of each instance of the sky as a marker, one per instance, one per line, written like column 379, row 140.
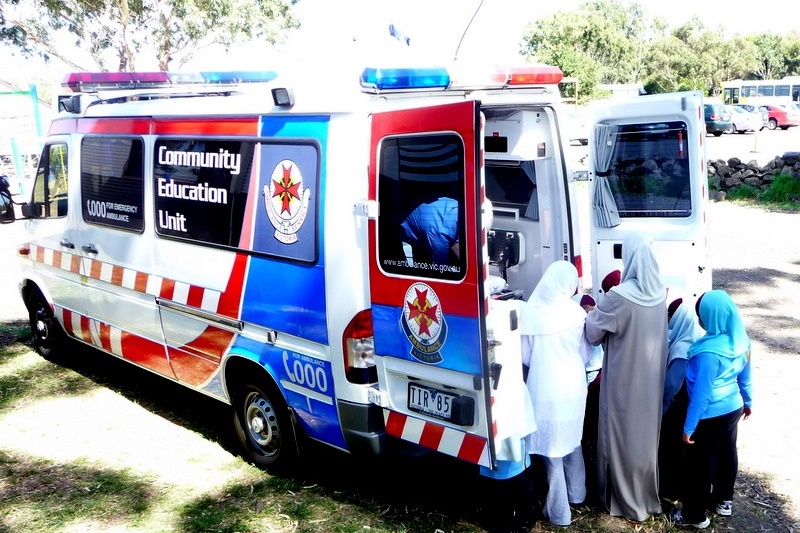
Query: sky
column 357, row 30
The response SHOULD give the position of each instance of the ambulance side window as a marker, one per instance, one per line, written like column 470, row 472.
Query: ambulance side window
column 421, row 197
column 257, row 196
column 112, row 182
column 648, row 170
column 50, row 189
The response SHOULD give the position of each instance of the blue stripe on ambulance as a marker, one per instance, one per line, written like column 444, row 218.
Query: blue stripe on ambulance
column 459, row 350
column 307, row 385
column 288, row 296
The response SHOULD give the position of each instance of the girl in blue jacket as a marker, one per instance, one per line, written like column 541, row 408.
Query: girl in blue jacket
column 720, row 391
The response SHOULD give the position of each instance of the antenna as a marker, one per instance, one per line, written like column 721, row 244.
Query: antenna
column 480, row 4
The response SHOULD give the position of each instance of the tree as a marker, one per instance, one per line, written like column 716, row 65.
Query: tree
column 791, row 60
column 770, row 55
column 599, row 44
column 122, row 29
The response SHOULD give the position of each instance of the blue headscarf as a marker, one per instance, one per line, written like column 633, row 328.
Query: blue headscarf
column 725, row 332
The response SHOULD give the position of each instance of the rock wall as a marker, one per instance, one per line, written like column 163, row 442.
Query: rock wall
column 724, row 175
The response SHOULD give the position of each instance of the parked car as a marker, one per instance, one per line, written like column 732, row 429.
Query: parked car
column 718, row 119
column 792, row 110
column 779, row 117
column 743, row 120
column 760, row 109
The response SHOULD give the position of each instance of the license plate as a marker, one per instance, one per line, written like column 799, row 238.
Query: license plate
column 430, row 401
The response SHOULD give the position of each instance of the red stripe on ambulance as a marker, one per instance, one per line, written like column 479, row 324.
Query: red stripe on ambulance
column 205, row 126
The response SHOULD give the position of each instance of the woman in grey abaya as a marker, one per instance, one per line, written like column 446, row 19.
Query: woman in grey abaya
column 631, row 322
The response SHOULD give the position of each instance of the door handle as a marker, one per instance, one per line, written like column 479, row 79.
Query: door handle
column 89, row 249
column 66, row 244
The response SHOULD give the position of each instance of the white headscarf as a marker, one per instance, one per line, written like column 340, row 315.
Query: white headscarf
column 684, row 329
column 551, row 309
column 641, row 277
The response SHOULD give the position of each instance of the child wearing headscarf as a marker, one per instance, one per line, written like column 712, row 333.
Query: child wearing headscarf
column 683, row 331
column 631, row 322
column 718, row 380
column 556, row 352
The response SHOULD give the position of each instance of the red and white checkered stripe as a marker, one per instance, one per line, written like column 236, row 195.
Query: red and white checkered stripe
column 91, row 331
column 177, row 291
column 465, row 446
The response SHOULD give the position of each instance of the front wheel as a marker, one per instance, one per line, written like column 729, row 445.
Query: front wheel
column 263, row 426
column 772, row 124
column 48, row 336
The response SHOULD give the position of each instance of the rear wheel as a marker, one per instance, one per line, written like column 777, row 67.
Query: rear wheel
column 48, row 336
column 263, row 426
column 772, row 124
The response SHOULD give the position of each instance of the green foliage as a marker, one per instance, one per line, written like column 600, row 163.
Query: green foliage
column 770, row 55
column 606, row 41
column 784, row 189
column 743, row 192
column 115, row 32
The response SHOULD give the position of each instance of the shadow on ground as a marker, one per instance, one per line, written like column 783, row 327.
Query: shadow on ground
column 398, row 493
column 764, row 317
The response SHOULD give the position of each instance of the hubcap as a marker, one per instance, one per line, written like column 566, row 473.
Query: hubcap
column 262, row 424
column 42, row 326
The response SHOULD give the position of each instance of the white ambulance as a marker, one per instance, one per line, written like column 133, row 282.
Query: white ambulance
column 317, row 254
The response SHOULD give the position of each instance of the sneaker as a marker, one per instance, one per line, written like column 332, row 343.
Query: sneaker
column 677, row 517
column 725, row 508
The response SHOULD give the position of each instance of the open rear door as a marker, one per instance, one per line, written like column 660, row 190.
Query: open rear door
column 427, row 265
column 648, row 171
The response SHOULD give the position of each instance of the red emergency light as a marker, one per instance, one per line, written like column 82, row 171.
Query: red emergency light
column 495, row 77
column 534, row 75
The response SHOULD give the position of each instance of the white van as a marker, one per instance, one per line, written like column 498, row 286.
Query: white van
column 321, row 259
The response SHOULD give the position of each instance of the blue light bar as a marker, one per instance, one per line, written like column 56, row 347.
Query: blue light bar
column 239, row 76
column 396, row 79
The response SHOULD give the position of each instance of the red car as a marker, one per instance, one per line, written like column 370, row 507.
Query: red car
column 779, row 118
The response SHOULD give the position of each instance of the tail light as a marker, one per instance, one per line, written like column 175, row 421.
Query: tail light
column 358, row 348
column 578, row 262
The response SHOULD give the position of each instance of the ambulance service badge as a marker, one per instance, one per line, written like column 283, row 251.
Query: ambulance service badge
column 423, row 323
column 286, row 201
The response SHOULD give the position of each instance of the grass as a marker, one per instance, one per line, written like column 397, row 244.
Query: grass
column 97, row 444
column 783, row 194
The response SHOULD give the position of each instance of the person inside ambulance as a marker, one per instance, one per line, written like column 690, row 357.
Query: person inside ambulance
column 431, row 230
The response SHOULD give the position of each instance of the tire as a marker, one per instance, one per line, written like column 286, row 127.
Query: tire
column 717, row 133
column 784, row 128
column 264, row 428
column 48, row 336
column 772, row 124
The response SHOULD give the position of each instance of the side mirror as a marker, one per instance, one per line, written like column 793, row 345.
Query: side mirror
column 6, row 208
column 6, row 204
column 27, row 210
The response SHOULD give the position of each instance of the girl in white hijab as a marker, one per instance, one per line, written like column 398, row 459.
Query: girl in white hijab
column 556, row 352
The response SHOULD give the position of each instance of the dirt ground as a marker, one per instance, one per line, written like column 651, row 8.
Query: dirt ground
column 756, row 258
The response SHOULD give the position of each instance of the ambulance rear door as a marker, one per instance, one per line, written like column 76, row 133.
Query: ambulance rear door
column 648, row 171
column 427, row 267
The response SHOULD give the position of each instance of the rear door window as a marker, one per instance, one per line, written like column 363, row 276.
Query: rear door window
column 648, row 170
column 421, row 194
